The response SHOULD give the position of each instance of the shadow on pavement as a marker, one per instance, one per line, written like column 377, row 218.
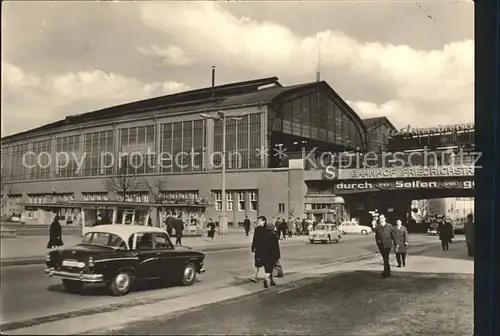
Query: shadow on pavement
column 353, row 303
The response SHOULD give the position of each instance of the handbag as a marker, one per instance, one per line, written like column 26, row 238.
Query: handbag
column 278, row 270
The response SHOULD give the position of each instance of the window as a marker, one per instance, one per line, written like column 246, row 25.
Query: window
column 162, row 242
column 229, row 198
column 218, row 201
column 144, row 241
column 103, row 239
column 241, row 201
column 94, row 146
column 253, row 201
column 96, row 196
column 281, row 207
column 137, row 197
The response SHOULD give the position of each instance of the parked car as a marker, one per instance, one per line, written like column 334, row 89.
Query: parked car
column 350, row 227
column 119, row 255
column 325, row 233
column 433, row 229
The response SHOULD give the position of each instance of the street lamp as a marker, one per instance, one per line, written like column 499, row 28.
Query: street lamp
column 221, row 115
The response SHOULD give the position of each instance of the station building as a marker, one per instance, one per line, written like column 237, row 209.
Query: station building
column 170, row 146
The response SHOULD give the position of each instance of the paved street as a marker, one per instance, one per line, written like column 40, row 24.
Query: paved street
column 27, row 293
column 416, row 300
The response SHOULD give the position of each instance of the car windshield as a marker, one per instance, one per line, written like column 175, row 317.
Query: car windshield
column 323, row 227
column 104, row 239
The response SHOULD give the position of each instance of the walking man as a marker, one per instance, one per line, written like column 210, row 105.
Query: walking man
column 283, row 228
column 401, row 241
column 469, row 234
column 211, row 229
column 445, row 230
column 384, row 236
column 179, row 228
column 246, row 225
column 266, row 248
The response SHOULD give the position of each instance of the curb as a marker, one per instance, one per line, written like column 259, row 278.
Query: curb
column 41, row 260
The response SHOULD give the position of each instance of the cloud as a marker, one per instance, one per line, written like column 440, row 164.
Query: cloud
column 172, row 55
column 31, row 101
column 426, row 86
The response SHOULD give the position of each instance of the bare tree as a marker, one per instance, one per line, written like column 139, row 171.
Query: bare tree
column 156, row 186
column 423, row 207
column 122, row 183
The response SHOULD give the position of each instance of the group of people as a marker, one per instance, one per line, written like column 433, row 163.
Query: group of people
column 387, row 237
column 446, row 234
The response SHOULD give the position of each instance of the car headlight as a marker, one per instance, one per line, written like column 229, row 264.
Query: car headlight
column 47, row 257
column 91, row 263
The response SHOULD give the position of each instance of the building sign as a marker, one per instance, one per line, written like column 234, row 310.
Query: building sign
column 329, row 199
column 365, row 186
column 467, row 127
column 405, row 172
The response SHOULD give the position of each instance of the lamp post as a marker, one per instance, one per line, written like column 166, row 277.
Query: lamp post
column 221, row 115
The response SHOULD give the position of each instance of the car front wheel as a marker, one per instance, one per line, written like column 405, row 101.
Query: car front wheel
column 121, row 283
column 311, row 241
column 72, row 286
column 189, row 276
column 364, row 232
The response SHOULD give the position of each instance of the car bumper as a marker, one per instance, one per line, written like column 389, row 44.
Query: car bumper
column 82, row 277
column 201, row 270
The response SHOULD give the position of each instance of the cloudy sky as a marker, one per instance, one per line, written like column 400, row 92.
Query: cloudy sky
column 410, row 62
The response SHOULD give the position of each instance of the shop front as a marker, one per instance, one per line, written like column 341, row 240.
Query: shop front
column 329, row 208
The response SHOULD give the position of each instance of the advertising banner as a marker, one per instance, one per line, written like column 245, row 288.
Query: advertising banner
column 351, row 187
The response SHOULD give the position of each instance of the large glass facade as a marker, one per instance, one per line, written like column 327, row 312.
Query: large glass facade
column 243, row 142
column 17, row 169
column 41, row 162
column 98, row 151
column 182, row 146
column 68, row 155
column 137, row 149
column 315, row 115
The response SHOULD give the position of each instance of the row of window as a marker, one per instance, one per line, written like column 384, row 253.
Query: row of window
column 316, row 116
column 50, row 198
column 182, row 148
column 241, row 201
column 95, row 196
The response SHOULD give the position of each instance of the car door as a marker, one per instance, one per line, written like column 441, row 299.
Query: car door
column 149, row 258
column 169, row 262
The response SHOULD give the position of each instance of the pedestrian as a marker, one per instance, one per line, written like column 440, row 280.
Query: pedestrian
column 266, row 248
column 445, row 230
column 211, row 229
column 277, row 223
column 55, row 234
column 246, row 225
column 179, row 228
column 169, row 224
column 469, row 234
column 99, row 220
column 283, row 229
column 257, row 233
column 384, row 236
column 401, row 241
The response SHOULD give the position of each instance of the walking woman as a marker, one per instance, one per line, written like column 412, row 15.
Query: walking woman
column 266, row 247
column 55, row 234
column 445, row 230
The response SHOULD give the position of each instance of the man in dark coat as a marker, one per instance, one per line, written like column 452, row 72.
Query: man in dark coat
column 384, row 236
column 445, row 230
column 401, row 242
column 169, row 223
column 469, row 234
column 246, row 225
column 179, row 228
column 55, row 234
column 257, row 234
column 283, row 229
column 265, row 245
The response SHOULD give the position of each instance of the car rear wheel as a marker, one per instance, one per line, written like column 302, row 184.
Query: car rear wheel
column 189, row 275
column 311, row 241
column 72, row 286
column 121, row 283
column 364, row 232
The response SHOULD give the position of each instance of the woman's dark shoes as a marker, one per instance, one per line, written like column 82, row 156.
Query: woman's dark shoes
column 273, row 283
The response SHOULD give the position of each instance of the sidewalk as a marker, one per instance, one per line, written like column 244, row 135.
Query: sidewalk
column 431, row 260
column 27, row 250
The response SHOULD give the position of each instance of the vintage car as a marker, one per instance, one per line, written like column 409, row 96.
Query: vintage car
column 433, row 229
column 325, row 233
column 352, row 227
column 119, row 255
